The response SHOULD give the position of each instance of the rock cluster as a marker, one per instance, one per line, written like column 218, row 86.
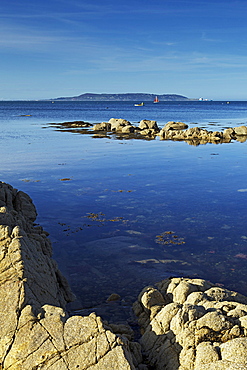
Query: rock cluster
column 196, row 135
column 172, row 131
column 190, row 324
column 118, row 125
column 148, row 129
column 35, row 330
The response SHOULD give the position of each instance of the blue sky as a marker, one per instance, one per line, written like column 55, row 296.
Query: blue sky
column 54, row 48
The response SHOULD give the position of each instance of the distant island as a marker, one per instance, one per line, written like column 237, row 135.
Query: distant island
column 124, row 97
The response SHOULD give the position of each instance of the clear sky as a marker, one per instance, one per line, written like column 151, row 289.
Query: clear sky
column 54, row 48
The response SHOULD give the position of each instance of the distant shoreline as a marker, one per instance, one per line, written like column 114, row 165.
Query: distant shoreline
column 124, row 97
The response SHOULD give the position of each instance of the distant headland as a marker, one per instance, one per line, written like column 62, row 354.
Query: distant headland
column 124, row 97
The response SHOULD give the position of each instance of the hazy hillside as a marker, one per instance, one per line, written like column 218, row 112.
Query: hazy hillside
column 124, row 97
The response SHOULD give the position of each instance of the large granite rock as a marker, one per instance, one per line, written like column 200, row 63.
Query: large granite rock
column 189, row 324
column 35, row 330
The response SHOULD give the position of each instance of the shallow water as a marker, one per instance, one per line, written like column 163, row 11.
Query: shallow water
column 109, row 204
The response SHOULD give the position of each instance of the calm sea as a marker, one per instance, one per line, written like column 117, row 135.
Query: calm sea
column 123, row 214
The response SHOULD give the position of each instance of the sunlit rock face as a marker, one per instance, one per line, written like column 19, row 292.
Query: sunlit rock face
column 192, row 324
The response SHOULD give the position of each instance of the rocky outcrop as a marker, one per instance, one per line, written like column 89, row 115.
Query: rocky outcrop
column 35, row 330
column 190, row 324
column 186, row 324
column 116, row 125
column 149, row 129
column 178, row 131
column 195, row 135
column 146, row 127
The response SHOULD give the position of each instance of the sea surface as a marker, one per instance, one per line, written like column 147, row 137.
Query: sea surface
column 123, row 214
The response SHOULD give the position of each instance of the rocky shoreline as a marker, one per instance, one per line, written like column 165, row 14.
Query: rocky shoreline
column 148, row 129
column 185, row 323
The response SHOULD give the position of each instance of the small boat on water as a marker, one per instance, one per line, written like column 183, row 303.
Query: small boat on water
column 156, row 100
column 139, row 105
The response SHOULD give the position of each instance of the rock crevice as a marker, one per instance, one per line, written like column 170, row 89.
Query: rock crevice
column 190, row 324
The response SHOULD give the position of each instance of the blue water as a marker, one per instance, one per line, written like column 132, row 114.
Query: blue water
column 198, row 112
column 105, row 201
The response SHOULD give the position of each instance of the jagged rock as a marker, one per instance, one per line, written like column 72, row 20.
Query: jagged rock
column 147, row 124
column 35, row 330
column 117, row 124
column 195, row 326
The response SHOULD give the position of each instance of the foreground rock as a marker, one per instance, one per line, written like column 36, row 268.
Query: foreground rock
column 186, row 324
column 190, row 324
column 35, row 330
